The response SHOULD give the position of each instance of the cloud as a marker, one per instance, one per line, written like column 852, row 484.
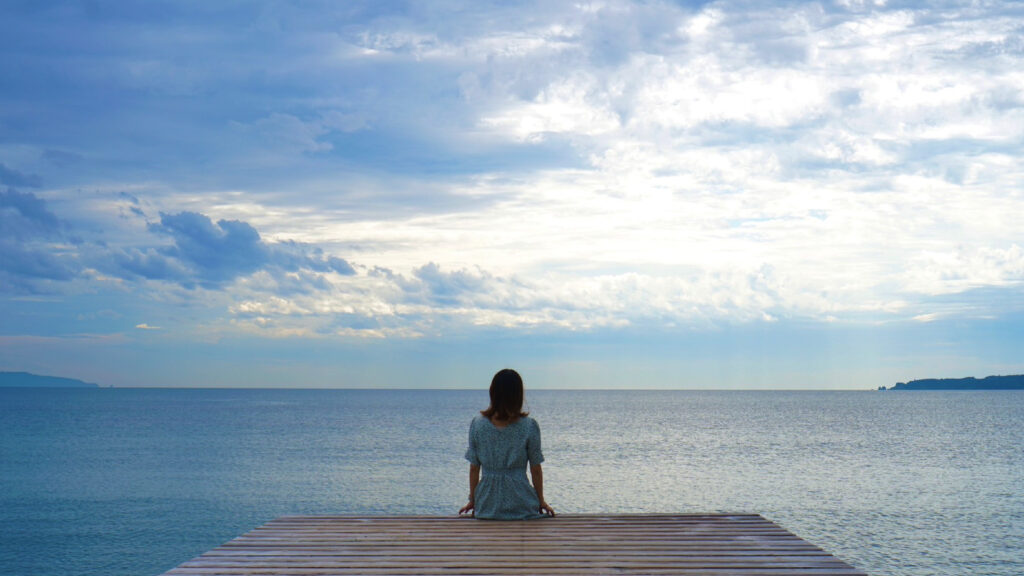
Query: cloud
column 32, row 244
column 287, row 132
column 61, row 157
column 12, row 177
column 153, row 265
column 572, row 166
column 25, row 216
column 20, row 265
column 213, row 254
column 449, row 288
column 145, row 326
column 293, row 256
column 965, row 268
column 433, row 300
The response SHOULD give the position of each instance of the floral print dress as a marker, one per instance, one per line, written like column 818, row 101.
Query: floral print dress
column 504, row 492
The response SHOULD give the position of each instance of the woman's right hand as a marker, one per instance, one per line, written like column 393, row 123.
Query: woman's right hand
column 467, row 509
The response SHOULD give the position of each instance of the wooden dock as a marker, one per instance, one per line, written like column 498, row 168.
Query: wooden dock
column 739, row 544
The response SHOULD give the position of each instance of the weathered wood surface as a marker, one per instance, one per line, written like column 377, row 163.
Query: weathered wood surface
column 737, row 544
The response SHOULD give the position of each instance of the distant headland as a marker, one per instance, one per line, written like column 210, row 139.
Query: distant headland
column 987, row 383
column 26, row 380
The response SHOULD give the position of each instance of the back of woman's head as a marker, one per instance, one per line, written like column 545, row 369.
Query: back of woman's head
column 506, row 396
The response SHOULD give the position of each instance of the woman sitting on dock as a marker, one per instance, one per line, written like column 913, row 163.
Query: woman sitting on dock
column 502, row 440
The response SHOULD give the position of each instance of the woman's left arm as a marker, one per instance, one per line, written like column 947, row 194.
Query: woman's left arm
column 537, row 474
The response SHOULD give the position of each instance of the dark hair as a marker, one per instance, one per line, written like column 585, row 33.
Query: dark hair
column 506, row 397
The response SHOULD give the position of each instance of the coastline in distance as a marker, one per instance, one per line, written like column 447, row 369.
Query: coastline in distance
column 27, row 380
column 1015, row 382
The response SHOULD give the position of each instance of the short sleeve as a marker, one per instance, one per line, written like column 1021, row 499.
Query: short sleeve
column 533, row 451
column 471, row 448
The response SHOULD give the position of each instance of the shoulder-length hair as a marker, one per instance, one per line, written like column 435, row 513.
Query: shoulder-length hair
column 506, row 397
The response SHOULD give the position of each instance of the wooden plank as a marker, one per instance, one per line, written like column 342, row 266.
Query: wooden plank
column 738, row 544
column 518, row 570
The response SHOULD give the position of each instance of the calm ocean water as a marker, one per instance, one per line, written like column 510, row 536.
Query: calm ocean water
column 136, row 481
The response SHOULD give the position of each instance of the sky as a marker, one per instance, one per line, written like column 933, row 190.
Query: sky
column 715, row 195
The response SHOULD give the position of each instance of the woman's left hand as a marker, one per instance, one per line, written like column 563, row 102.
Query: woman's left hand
column 467, row 509
column 545, row 508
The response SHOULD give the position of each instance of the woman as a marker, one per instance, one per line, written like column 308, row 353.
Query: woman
column 501, row 442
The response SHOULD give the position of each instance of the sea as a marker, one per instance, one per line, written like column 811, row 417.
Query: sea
column 134, row 481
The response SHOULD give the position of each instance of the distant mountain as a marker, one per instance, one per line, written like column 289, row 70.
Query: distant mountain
column 24, row 379
column 987, row 383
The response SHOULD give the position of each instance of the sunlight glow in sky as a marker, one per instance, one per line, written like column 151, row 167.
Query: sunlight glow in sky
column 601, row 194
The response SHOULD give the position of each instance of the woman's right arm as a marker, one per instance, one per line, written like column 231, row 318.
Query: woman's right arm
column 474, row 479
